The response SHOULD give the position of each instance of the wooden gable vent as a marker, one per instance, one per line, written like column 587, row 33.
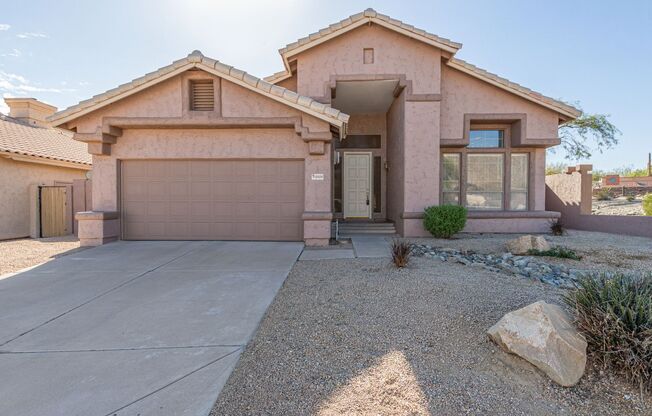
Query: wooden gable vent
column 202, row 95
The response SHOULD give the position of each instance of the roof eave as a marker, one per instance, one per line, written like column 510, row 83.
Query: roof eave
column 198, row 61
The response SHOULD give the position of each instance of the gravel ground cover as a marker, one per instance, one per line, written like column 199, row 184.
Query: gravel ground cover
column 360, row 337
column 26, row 252
column 618, row 206
column 599, row 251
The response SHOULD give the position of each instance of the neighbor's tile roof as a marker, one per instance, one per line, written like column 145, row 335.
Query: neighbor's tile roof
column 198, row 60
column 43, row 142
column 367, row 14
column 509, row 85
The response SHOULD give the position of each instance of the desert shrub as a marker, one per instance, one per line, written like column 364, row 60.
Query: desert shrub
column 603, row 195
column 401, row 252
column 445, row 220
column 647, row 204
column 557, row 227
column 558, row 251
column 630, row 198
column 615, row 315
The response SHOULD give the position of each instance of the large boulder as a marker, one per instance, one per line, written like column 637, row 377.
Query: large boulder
column 522, row 245
column 543, row 335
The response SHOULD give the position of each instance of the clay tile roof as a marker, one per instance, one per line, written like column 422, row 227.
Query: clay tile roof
column 368, row 15
column 197, row 60
column 41, row 142
column 508, row 85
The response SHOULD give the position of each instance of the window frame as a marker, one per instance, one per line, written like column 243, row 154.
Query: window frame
column 507, row 150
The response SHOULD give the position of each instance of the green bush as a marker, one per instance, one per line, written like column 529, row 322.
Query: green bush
column 630, row 198
column 615, row 315
column 603, row 195
column 558, row 251
column 647, row 204
column 445, row 220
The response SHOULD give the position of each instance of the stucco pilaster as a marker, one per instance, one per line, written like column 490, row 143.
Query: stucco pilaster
column 421, row 155
column 105, row 183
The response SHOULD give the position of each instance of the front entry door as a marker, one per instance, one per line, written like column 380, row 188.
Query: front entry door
column 357, row 185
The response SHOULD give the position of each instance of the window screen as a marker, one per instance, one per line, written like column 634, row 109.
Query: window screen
column 450, row 182
column 519, row 182
column 484, row 188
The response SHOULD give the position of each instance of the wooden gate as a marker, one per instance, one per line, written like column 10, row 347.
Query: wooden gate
column 53, row 211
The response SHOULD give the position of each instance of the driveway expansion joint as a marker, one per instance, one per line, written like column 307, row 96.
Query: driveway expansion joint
column 178, row 379
column 175, row 347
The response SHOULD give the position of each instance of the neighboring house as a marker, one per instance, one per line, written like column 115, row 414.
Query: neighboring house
column 372, row 119
column 33, row 154
column 627, row 181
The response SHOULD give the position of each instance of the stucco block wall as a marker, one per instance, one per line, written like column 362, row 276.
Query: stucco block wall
column 15, row 180
column 393, row 54
column 464, row 94
column 571, row 194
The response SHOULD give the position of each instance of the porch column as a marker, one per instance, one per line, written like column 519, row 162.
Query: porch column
column 317, row 214
column 421, row 164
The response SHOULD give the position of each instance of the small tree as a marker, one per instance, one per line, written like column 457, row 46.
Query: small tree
column 576, row 135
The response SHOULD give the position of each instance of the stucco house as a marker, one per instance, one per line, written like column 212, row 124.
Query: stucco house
column 33, row 154
column 371, row 120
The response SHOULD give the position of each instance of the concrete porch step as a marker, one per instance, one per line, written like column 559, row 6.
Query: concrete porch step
column 357, row 228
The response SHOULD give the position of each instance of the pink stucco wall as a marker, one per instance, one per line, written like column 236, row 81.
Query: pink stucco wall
column 570, row 194
column 163, row 100
column 430, row 108
column 395, row 159
column 464, row 94
column 15, row 181
column 393, row 54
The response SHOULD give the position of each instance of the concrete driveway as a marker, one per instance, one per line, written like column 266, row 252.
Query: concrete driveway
column 134, row 328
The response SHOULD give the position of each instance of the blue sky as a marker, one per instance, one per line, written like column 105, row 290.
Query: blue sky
column 597, row 53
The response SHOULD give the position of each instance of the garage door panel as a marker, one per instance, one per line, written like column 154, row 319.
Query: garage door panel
column 201, row 190
column 266, row 210
column 157, row 169
column 223, row 191
column 212, row 199
column 224, row 210
column 179, row 190
column 158, row 191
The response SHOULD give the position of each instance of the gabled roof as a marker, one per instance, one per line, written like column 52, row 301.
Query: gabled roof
column 199, row 61
column 370, row 15
column 47, row 143
column 353, row 22
column 536, row 97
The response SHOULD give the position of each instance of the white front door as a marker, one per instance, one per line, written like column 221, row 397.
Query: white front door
column 357, row 185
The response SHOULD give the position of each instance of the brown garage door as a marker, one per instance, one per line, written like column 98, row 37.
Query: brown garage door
column 212, row 200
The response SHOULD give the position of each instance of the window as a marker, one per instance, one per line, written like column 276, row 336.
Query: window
column 519, row 174
column 368, row 55
column 484, row 181
column 202, row 95
column 450, row 178
column 483, row 139
column 488, row 174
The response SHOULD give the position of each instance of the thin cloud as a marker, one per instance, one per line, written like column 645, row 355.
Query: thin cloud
column 31, row 35
column 17, row 84
column 15, row 53
column 4, row 26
